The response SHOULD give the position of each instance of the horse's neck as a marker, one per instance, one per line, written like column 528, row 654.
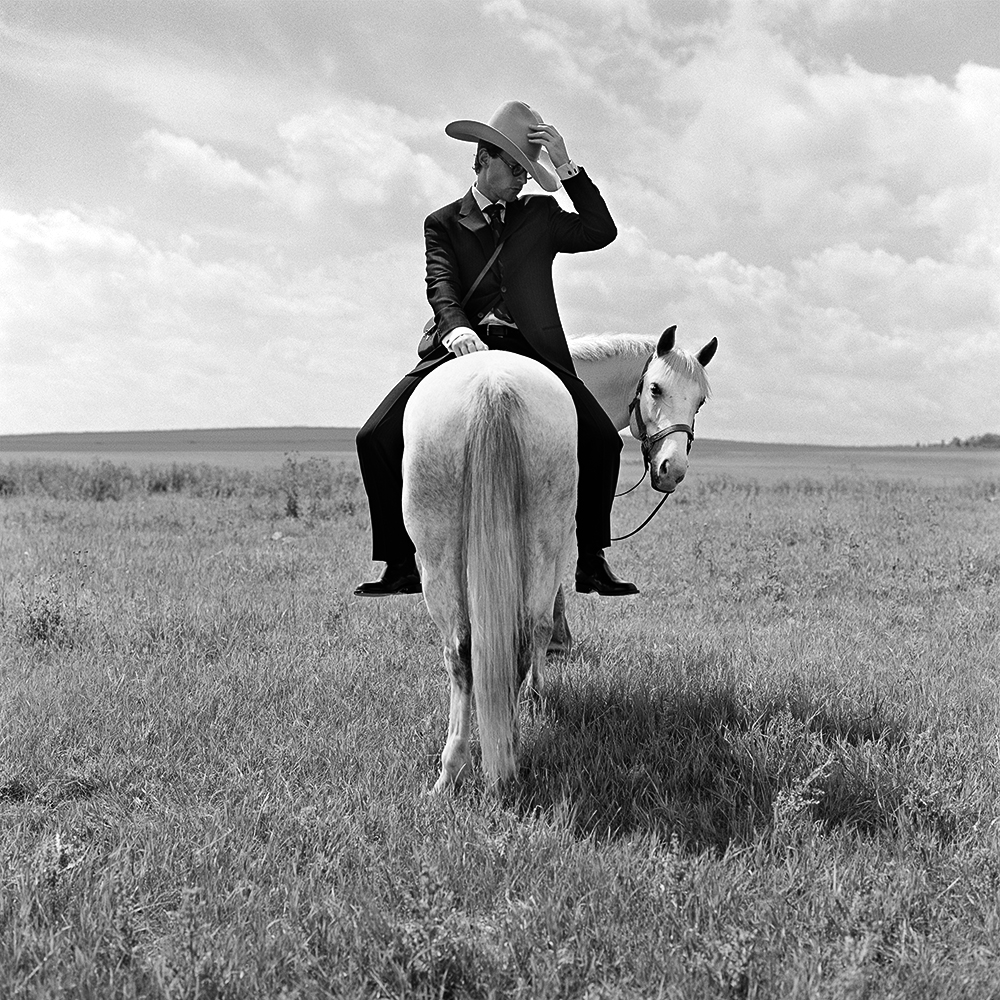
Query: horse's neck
column 612, row 380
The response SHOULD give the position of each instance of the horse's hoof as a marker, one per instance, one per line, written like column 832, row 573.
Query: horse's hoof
column 441, row 786
column 450, row 779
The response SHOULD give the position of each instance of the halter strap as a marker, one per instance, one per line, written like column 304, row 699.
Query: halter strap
column 672, row 429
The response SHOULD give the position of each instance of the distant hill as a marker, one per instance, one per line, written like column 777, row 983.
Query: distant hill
column 221, row 439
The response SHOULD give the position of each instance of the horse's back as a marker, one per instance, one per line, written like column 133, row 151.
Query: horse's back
column 447, row 397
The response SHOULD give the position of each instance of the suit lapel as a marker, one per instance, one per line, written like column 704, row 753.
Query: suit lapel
column 472, row 219
column 469, row 214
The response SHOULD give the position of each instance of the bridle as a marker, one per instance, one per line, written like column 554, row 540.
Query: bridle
column 647, row 440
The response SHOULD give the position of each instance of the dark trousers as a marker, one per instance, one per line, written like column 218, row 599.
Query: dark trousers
column 380, row 452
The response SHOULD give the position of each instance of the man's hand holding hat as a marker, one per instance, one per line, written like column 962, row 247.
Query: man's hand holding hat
column 555, row 145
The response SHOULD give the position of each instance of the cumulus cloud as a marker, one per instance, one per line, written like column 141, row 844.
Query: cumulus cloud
column 173, row 152
column 836, row 226
column 60, row 232
column 173, row 155
column 139, row 335
column 365, row 153
column 501, row 9
column 857, row 345
column 348, row 153
column 777, row 160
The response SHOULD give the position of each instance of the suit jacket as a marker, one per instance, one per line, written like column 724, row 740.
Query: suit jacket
column 459, row 242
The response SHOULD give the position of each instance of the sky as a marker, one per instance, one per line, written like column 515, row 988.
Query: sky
column 211, row 212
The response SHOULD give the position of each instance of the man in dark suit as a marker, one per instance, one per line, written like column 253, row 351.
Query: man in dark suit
column 512, row 308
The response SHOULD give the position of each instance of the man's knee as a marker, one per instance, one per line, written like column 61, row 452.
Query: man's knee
column 383, row 430
column 597, row 427
column 365, row 435
column 366, row 442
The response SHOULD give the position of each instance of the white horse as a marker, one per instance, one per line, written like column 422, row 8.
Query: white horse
column 489, row 500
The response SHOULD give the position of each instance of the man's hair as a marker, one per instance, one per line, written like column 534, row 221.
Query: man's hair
column 490, row 148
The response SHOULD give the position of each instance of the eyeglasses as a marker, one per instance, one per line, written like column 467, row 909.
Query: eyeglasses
column 515, row 168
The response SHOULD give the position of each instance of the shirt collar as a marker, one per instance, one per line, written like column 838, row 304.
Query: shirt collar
column 484, row 203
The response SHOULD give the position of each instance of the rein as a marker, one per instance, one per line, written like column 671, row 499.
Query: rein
column 647, row 441
column 635, row 531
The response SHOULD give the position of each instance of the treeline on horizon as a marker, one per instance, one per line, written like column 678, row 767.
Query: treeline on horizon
column 979, row 441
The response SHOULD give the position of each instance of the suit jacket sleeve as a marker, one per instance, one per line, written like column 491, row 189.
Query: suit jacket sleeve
column 443, row 291
column 590, row 227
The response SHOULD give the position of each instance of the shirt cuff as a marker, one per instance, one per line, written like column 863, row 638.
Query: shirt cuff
column 567, row 170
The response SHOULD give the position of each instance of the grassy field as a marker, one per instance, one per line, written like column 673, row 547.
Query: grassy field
column 773, row 774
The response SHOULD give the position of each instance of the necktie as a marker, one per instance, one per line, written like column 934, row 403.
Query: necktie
column 493, row 214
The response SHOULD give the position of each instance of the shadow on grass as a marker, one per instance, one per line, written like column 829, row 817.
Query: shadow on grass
column 706, row 767
column 61, row 788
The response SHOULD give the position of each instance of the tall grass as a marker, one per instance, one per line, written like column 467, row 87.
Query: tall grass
column 773, row 774
column 314, row 488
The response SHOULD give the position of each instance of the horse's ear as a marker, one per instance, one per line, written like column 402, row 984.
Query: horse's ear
column 708, row 352
column 666, row 341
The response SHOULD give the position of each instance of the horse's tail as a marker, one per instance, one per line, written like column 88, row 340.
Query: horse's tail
column 496, row 566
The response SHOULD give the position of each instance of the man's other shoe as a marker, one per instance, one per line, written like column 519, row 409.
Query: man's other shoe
column 593, row 575
column 398, row 578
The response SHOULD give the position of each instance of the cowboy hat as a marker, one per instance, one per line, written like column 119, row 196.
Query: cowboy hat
column 508, row 129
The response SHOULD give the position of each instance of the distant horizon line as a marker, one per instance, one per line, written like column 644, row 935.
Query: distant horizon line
column 22, row 442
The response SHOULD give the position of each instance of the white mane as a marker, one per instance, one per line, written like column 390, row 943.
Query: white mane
column 601, row 346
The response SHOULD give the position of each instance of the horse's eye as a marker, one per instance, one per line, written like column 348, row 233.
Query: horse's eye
column 655, row 390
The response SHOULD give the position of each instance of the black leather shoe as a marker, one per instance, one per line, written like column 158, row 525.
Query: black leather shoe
column 398, row 578
column 593, row 575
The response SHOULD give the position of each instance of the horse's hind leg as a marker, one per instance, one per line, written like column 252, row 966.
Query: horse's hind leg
column 534, row 655
column 455, row 757
column 541, row 636
column 562, row 640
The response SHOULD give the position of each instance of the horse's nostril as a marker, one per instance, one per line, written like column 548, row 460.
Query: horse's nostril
column 664, row 472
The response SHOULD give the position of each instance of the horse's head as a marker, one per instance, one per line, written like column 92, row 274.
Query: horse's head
column 672, row 389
